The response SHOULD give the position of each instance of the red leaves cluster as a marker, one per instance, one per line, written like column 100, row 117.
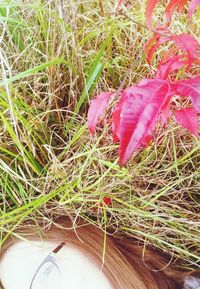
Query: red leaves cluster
column 171, row 7
column 185, row 42
column 141, row 107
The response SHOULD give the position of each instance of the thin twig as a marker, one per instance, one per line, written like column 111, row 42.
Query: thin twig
column 138, row 23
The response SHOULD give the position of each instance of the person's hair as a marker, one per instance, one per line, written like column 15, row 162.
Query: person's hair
column 122, row 264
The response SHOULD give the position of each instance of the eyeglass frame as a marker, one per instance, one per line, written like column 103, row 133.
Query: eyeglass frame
column 50, row 258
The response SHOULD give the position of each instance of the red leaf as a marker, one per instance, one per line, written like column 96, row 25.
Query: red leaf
column 119, row 4
column 181, row 5
column 190, row 87
column 184, row 41
column 139, row 114
column 165, row 115
column 96, row 109
column 116, row 116
column 159, row 40
column 192, row 7
column 172, row 6
column 170, row 9
column 151, row 4
column 188, row 118
column 169, row 65
column 106, row 200
column 146, row 141
column 150, row 43
column 187, row 43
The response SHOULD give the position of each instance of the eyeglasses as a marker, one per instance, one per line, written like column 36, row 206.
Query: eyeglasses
column 48, row 274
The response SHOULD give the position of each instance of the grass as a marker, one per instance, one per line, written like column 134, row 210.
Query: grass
column 55, row 55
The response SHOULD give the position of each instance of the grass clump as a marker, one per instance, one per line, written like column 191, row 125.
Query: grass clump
column 54, row 56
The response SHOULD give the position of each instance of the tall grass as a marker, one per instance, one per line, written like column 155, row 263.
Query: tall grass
column 55, row 55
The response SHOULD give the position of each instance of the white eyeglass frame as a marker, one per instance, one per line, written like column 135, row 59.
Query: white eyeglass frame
column 49, row 259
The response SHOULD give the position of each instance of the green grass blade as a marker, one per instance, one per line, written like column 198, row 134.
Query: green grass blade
column 31, row 71
column 93, row 76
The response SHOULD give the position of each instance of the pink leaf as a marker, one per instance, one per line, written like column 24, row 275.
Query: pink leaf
column 190, row 87
column 172, row 6
column 96, row 109
column 169, row 65
column 165, row 115
column 151, row 4
column 192, row 7
column 153, row 48
column 187, row 118
column 184, row 41
column 116, row 116
column 139, row 114
column 187, row 43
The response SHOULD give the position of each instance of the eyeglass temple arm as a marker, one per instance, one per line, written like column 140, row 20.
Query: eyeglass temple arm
column 49, row 258
column 58, row 248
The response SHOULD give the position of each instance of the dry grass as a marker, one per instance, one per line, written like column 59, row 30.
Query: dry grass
column 55, row 55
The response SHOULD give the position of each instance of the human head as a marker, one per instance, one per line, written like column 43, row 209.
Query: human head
column 120, row 259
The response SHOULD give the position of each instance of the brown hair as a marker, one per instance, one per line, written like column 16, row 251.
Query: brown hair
column 122, row 264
